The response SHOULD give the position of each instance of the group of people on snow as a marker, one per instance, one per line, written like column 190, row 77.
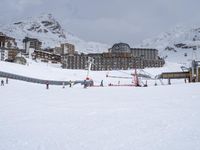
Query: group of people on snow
column 70, row 84
column 63, row 84
column 85, row 84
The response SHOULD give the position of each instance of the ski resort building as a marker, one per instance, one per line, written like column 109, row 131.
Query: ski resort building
column 31, row 44
column 119, row 57
column 6, row 41
column 8, row 48
column 54, row 55
column 45, row 56
column 67, row 48
column 8, row 54
column 3, row 54
column 191, row 74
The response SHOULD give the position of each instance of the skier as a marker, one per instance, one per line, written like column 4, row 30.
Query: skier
column 101, row 83
column 85, row 84
column 47, row 85
column 118, row 82
column 63, row 85
column 70, row 83
column 91, row 83
column 2, row 82
column 145, row 85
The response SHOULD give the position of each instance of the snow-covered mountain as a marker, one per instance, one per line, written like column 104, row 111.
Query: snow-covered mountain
column 48, row 30
column 177, row 45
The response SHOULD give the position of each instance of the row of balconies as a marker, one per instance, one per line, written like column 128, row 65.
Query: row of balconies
column 113, row 65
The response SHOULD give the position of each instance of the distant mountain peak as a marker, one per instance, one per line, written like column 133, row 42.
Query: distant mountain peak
column 42, row 24
column 178, row 44
column 47, row 29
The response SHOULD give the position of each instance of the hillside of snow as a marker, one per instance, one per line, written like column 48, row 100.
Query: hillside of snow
column 54, row 72
column 48, row 30
column 103, row 118
column 177, row 45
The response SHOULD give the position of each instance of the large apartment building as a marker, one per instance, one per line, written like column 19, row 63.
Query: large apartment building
column 8, row 48
column 7, row 42
column 67, row 48
column 31, row 44
column 46, row 56
column 120, row 57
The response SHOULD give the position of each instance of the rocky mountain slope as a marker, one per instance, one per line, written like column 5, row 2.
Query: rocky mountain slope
column 48, row 30
column 178, row 45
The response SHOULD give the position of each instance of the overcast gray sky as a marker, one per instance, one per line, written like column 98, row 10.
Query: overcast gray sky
column 108, row 21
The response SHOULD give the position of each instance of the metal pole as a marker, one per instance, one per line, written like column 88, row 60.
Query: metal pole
column 169, row 81
column 193, row 65
column 90, row 61
column 88, row 70
column 197, row 73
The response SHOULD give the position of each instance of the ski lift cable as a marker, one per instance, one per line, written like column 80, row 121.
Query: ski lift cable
column 130, row 74
column 119, row 77
column 143, row 75
column 124, row 72
column 147, row 73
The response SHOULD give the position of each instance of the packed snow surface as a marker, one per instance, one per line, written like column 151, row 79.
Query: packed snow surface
column 162, row 117
column 152, row 118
